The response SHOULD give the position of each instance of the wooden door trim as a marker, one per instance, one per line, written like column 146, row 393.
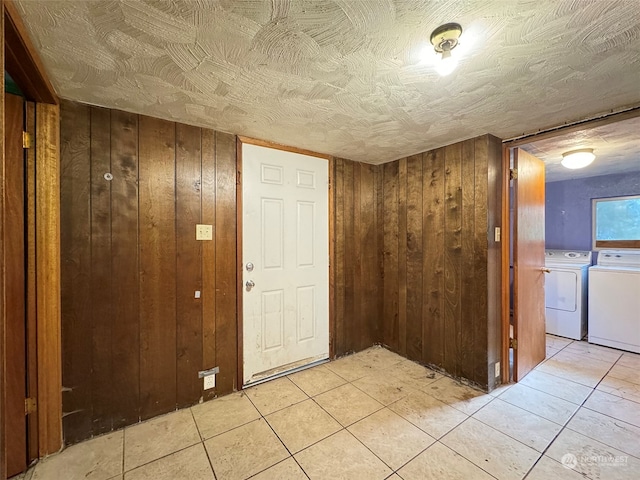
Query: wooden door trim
column 332, row 256
column 22, row 60
column 506, row 262
column 278, row 146
column 31, row 300
column 48, row 302
column 3, row 463
column 240, row 140
column 239, row 265
column 32, row 79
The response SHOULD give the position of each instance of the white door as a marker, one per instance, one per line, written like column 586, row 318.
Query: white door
column 285, row 253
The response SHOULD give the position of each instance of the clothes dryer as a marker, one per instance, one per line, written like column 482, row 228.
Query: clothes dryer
column 614, row 300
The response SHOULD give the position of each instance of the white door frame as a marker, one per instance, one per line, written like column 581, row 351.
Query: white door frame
column 239, row 245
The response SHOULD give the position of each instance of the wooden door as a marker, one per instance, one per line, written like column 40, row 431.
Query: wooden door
column 15, row 267
column 528, row 261
column 285, row 251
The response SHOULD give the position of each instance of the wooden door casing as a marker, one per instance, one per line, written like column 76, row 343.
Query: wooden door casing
column 528, row 260
column 14, row 262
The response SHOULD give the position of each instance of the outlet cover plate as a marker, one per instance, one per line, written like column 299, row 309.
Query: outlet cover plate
column 209, row 382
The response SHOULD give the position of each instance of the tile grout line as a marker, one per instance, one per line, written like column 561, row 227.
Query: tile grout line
column 345, row 428
column 566, row 424
column 436, row 440
column 276, row 434
column 124, row 430
column 467, row 459
column 206, row 452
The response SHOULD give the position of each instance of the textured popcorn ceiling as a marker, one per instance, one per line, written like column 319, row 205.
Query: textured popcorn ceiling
column 616, row 146
column 344, row 77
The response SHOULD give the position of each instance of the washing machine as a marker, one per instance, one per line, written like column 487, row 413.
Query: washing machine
column 566, row 292
column 614, row 300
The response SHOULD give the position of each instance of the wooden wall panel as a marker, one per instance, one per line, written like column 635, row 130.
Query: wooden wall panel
column 494, row 207
column 433, row 258
column 441, row 286
column 405, row 235
column 75, row 199
column 131, row 266
column 188, row 264
column 402, row 256
column 358, row 262
column 225, row 228
column 390, row 172
column 208, row 199
column 414, row 265
column 101, row 301
column 452, row 257
column 157, row 232
column 339, row 273
column 471, row 318
column 350, row 264
column 125, row 285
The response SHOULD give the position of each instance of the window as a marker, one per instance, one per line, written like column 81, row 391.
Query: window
column 616, row 222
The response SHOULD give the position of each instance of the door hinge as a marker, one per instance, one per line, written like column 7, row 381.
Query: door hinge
column 30, row 406
column 513, row 343
column 513, row 174
column 27, row 141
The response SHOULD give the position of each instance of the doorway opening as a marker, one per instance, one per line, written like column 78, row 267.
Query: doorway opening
column 284, row 243
column 568, row 212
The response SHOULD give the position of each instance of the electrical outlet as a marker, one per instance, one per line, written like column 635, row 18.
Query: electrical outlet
column 497, row 369
column 497, row 234
column 209, row 382
column 204, row 232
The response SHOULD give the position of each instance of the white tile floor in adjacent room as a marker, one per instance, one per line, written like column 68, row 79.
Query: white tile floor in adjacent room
column 375, row 415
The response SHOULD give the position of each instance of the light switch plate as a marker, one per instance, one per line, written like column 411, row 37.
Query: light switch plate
column 204, row 232
column 497, row 373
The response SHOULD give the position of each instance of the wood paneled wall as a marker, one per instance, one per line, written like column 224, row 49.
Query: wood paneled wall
column 413, row 263
column 358, row 256
column 441, row 264
column 134, row 335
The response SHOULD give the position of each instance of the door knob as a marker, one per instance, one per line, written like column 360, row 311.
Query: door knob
column 250, row 284
column 546, row 270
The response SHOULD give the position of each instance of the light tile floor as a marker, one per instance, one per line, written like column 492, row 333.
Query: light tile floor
column 375, row 415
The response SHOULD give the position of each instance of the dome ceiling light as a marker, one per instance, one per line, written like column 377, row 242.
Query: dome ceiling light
column 578, row 158
column 444, row 39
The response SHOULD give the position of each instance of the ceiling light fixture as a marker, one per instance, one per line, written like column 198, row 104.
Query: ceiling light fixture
column 444, row 39
column 578, row 158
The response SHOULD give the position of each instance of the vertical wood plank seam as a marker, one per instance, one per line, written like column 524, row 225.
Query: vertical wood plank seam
column 139, row 256
column 111, row 413
column 176, row 286
column 91, row 266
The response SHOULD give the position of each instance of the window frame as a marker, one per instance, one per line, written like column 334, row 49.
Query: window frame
column 617, row 244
